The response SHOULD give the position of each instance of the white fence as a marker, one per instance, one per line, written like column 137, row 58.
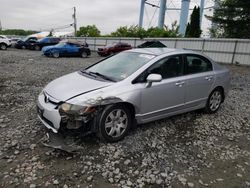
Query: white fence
column 221, row 50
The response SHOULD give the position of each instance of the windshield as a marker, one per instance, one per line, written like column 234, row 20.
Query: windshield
column 61, row 44
column 43, row 40
column 111, row 45
column 122, row 65
column 26, row 38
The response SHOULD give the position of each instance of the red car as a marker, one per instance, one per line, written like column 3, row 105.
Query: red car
column 114, row 48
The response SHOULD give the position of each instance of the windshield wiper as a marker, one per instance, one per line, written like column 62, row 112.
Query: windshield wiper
column 102, row 76
column 98, row 74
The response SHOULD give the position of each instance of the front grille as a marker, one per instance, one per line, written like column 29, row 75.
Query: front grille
column 47, row 121
column 50, row 99
column 40, row 113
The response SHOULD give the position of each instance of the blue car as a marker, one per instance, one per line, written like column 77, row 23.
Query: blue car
column 66, row 49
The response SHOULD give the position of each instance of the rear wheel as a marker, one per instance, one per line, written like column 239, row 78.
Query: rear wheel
column 84, row 54
column 214, row 101
column 23, row 47
column 37, row 48
column 55, row 54
column 114, row 123
column 3, row 46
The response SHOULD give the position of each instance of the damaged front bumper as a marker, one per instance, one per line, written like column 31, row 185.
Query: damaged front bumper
column 48, row 115
column 55, row 119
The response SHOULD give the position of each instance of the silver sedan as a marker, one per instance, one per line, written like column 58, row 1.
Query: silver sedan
column 135, row 86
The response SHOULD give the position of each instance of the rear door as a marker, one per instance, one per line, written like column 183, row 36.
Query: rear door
column 199, row 79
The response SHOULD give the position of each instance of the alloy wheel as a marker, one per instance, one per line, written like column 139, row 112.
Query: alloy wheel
column 215, row 100
column 116, row 123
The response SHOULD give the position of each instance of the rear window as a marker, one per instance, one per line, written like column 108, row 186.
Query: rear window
column 197, row 64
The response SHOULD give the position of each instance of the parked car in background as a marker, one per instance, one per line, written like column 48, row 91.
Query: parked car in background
column 4, row 42
column 14, row 41
column 67, row 48
column 152, row 44
column 47, row 41
column 139, row 85
column 114, row 48
column 25, row 43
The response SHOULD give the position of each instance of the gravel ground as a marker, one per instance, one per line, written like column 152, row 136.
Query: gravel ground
column 189, row 150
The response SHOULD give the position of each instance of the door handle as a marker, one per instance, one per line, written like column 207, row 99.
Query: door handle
column 208, row 78
column 179, row 83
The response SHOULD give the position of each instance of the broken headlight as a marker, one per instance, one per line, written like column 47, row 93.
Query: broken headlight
column 75, row 109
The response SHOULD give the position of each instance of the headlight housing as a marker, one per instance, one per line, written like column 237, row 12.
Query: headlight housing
column 75, row 109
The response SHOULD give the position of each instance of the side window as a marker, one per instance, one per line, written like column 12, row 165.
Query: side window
column 197, row 64
column 168, row 67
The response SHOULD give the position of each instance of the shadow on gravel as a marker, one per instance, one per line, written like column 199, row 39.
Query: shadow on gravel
column 74, row 141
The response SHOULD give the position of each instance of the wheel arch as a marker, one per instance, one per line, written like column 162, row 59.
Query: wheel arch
column 221, row 88
column 129, row 106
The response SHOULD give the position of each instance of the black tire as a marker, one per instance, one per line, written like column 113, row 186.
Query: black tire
column 55, row 54
column 111, row 53
column 37, row 48
column 23, row 47
column 104, row 118
column 214, row 101
column 84, row 54
column 3, row 46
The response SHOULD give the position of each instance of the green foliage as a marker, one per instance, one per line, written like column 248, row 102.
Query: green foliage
column 135, row 31
column 231, row 19
column 194, row 28
column 88, row 31
column 187, row 30
column 19, row 32
column 132, row 31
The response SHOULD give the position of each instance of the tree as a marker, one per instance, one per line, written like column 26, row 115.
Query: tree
column 135, row 31
column 232, row 19
column 187, row 30
column 19, row 32
column 132, row 31
column 89, row 31
column 194, row 29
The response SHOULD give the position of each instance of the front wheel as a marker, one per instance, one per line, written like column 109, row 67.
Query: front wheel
column 111, row 53
column 214, row 101
column 55, row 54
column 3, row 46
column 114, row 123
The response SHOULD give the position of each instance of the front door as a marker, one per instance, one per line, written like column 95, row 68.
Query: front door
column 167, row 96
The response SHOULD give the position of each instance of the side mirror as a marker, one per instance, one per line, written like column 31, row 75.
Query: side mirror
column 153, row 78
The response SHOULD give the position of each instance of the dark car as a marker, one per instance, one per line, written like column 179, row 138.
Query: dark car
column 25, row 43
column 152, row 44
column 114, row 48
column 47, row 41
column 68, row 49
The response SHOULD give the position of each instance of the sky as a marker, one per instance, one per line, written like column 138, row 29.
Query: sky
column 107, row 15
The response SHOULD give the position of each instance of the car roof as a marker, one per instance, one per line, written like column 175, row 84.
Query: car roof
column 160, row 51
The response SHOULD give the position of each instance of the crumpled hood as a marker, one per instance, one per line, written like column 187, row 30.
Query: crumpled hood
column 72, row 85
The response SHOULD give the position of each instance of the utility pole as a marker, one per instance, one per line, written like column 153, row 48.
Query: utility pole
column 1, row 26
column 74, row 17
